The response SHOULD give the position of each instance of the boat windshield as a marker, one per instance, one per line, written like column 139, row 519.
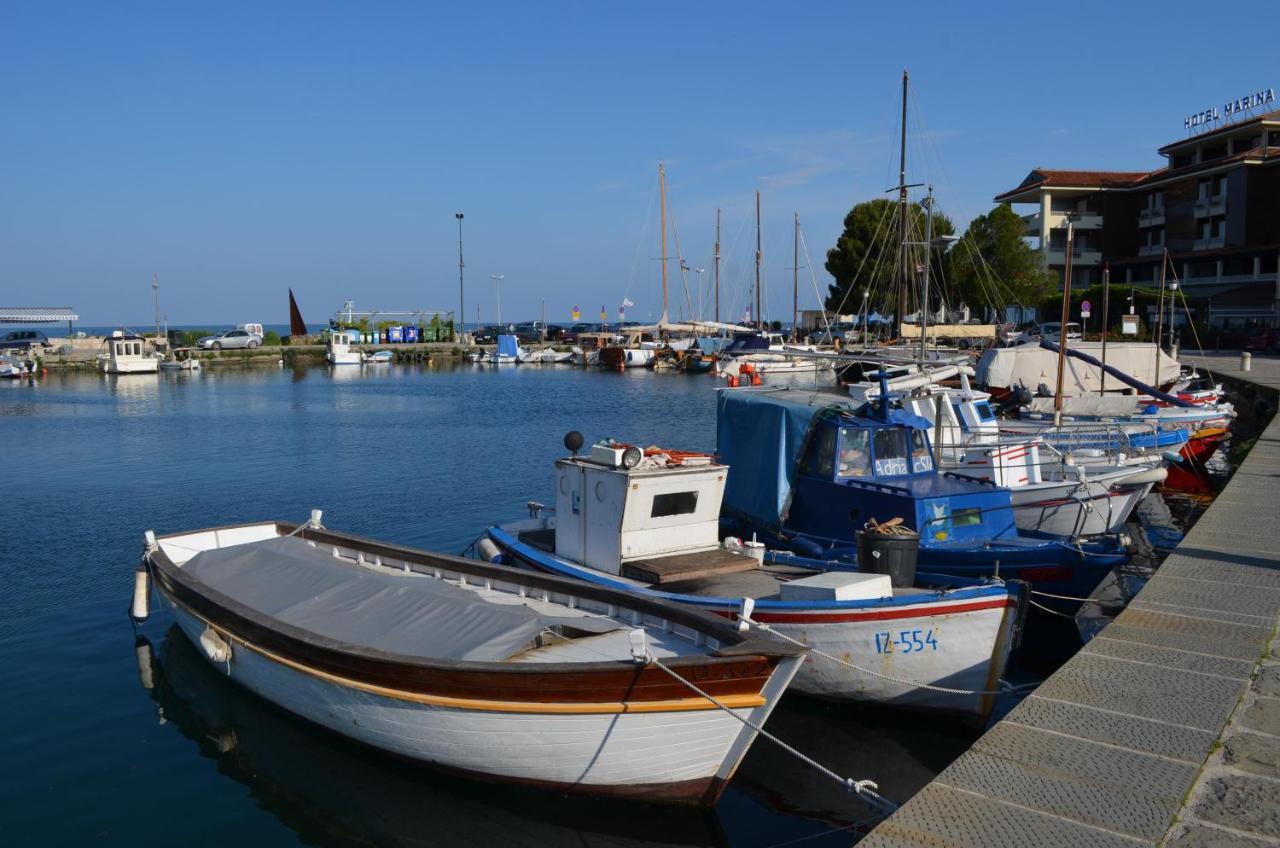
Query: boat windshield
column 898, row 451
column 855, row 453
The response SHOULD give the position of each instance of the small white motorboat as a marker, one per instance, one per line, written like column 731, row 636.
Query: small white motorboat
column 180, row 359
column 378, row 356
column 338, row 350
column 127, row 354
column 486, row 671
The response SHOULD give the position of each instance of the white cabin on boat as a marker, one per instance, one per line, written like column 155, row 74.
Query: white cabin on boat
column 608, row 514
column 128, row 354
column 338, row 350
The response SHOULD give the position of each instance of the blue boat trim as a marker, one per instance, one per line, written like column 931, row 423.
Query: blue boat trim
column 546, row 561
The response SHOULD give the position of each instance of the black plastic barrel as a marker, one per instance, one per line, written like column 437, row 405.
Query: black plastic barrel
column 892, row 555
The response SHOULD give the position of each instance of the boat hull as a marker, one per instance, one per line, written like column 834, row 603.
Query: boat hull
column 959, row 644
column 1072, row 509
column 613, row 729
column 670, row 757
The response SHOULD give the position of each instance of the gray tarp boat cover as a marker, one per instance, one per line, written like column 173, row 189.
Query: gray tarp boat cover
column 759, row 435
column 411, row 614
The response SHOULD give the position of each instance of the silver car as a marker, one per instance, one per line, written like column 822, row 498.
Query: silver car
column 229, row 340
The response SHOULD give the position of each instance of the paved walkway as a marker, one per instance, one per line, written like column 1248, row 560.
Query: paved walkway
column 1163, row 730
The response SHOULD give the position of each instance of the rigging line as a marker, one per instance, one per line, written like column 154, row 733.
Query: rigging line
column 644, row 233
column 889, row 207
column 826, row 320
column 1195, row 334
column 684, row 272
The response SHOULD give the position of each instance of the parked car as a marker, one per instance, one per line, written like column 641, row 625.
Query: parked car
column 529, row 332
column 843, row 330
column 488, row 335
column 229, row 340
column 23, row 340
column 1268, row 341
column 1051, row 330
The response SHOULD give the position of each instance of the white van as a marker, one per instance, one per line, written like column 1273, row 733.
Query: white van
column 255, row 329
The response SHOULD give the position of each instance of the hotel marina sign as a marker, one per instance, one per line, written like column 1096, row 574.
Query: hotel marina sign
column 1232, row 107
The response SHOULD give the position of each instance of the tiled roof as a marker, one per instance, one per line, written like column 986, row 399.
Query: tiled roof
column 1046, row 178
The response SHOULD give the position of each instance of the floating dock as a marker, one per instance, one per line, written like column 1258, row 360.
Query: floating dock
column 1165, row 728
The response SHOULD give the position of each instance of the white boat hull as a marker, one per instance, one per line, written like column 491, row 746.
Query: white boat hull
column 965, row 649
column 1069, row 509
column 584, row 751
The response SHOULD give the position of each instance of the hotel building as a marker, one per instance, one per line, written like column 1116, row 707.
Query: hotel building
column 1215, row 206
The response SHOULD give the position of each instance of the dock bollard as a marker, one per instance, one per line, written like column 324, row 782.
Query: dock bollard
column 1246, row 360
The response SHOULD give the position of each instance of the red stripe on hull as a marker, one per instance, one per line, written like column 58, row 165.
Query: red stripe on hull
column 870, row 615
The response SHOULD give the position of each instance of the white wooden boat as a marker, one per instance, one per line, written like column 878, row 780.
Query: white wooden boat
column 493, row 673
column 378, row 357
column 10, row 370
column 651, row 527
column 127, row 354
column 338, row 349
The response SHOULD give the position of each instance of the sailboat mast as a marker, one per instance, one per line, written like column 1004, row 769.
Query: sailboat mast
column 1106, row 302
column 662, row 195
column 155, row 288
column 795, row 282
column 1164, row 264
column 1062, row 327
column 717, row 266
column 758, row 316
column 902, row 212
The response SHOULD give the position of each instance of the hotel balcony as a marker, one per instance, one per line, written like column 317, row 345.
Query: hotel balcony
column 1087, row 221
column 1151, row 250
column 1208, row 243
column 1058, row 257
column 1151, row 217
column 1207, row 207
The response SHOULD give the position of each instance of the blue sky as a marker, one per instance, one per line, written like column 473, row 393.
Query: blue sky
column 239, row 149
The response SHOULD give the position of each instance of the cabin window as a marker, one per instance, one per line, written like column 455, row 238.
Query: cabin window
column 891, row 452
column 971, row 517
column 820, row 460
column 855, row 453
column 984, row 411
column 920, row 458
column 674, row 503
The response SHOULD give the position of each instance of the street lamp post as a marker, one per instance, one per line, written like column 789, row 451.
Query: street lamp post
column 498, row 278
column 462, row 303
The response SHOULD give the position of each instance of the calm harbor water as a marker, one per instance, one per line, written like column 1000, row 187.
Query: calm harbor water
column 421, row 456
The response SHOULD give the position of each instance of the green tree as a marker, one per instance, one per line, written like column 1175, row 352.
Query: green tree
column 866, row 254
column 993, row 265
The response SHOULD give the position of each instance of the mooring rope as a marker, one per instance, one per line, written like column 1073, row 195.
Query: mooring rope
column 864, row 788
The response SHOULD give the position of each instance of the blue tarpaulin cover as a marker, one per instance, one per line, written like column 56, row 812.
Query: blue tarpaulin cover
column 759, row 435
column 508, row 345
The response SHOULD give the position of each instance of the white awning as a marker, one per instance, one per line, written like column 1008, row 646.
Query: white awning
column 36, row 315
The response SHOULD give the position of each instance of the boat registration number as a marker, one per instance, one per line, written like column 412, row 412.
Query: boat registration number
column 905, row 642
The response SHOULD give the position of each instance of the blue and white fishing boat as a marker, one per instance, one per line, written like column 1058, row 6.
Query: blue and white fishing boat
column 507, row 352
column 812, row 468
column 648, row 522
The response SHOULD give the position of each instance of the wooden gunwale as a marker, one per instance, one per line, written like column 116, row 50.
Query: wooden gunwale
column 738, row 670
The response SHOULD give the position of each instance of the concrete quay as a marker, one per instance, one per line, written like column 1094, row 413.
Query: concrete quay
column 1165, row 729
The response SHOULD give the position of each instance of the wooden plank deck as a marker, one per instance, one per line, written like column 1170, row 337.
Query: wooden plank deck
column 668, row 569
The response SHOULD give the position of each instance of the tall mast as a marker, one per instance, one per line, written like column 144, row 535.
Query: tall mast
column 758, row 316
column 662, row 194
column 717, row 266
column 1062, row 327
column 1164, row 263
column 902, row 212
column 1106, row 297
column 155, row 288
column 924, row 296
column 795, row 281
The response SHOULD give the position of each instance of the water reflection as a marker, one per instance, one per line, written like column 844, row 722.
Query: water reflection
column 334, row 792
